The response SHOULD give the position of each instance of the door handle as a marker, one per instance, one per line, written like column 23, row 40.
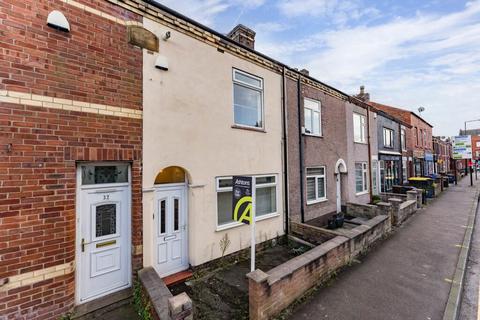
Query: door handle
column 83, row 244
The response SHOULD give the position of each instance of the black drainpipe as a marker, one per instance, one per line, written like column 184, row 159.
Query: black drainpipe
column 300, row 141
column 285, row 152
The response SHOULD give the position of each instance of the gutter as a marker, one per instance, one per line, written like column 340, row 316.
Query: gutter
column 286, row 193
column 370, row 180
column 300, row 141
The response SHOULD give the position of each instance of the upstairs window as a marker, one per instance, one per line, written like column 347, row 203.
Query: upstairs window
column 247, row 99
column 403, row 139
column 387, row 138
column 359, row 128
column 313, row 117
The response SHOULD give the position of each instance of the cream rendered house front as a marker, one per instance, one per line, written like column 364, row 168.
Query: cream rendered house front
column 210, row 116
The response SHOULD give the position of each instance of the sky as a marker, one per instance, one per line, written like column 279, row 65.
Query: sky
column 408, row 53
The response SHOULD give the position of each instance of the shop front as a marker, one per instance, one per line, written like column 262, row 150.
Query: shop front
column 390, row 171
column 429, row 164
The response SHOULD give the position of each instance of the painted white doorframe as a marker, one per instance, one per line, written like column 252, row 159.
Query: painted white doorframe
column 118, row 194
column 339, row 192
column 173, row 239
column 340, row 167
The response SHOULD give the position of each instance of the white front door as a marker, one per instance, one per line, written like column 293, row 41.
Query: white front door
column 103, row 243
column 171, row 251
column 339, row 192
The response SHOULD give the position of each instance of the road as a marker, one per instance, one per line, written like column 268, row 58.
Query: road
column 409, row 275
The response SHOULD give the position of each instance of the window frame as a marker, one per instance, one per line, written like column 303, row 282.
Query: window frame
column 363, row 128
column 234, row 224
column 365, row 183
column 316, row 177
column 319, row 111
column 403, row 139
column 391, row 142
column 260, row 89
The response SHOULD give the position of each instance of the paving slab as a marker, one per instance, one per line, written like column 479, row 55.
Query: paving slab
column 408, row 276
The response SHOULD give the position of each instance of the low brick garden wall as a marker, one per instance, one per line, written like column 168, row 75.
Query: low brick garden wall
column 271, row 292
column 163, row 305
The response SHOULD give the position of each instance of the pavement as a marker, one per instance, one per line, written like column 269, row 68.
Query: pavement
column 409, row 275
column 469, row 307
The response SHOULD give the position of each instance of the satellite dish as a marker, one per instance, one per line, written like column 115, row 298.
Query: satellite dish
column 421, row 109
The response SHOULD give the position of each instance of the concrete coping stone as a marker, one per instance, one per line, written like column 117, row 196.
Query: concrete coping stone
column 395, row 200
column 408, row 203
column 384, row 204
column 376, row 220
column 288, row 268
column 179, row 304
column 258, row 276
column 361, row 205
column 156, row 290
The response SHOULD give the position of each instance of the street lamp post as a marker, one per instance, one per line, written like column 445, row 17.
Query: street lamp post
column 468, row 121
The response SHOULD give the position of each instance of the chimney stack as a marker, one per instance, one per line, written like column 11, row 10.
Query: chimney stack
column 305, row 72
column 243, row 35
column 363, row 95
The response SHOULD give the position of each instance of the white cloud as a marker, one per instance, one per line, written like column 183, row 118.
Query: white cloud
column 426, row 60
column 205, row 11
column 336, row 11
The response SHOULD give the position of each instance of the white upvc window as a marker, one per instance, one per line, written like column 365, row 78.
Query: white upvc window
column 316, row 185
column 403, row 139
column 359, row 128
column 247, row 99
column 312, row 110
column 266, row 199
column 361, row 177
column 387, row 138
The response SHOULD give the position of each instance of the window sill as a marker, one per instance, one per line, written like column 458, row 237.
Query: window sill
column 239, row 224
column 313, row 135
column 360, row 142
column 361, row 193
column 236, row 126
column 317, row 201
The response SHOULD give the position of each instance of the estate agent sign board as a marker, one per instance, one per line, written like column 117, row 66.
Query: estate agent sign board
column 462, row 147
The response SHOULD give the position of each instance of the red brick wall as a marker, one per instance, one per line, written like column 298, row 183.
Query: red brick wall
column 475, row 149
column 38, row 183
column 40, row 147
column 271, row 292
column 93, row 62
column 421, row 125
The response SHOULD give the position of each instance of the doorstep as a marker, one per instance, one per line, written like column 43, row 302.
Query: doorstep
column 94, row 309
column 177, row 278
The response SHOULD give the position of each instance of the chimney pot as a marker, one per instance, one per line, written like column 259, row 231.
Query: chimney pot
column 243, row 35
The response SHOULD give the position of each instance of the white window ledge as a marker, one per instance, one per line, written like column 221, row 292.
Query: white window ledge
column 313, row 135
column 239, row 224
column 317, row 201
column 361, row 193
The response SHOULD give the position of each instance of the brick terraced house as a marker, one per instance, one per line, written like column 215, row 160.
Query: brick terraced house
column 317, row 149
column 418, row 139
column 122, row 123
column 70, row 150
